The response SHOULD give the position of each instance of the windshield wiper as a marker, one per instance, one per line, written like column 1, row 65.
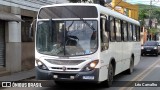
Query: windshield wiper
column 51, row 33
column 82, row 19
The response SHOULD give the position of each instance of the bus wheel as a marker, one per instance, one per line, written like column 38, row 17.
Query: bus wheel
column 130, row 70
column 110, row 75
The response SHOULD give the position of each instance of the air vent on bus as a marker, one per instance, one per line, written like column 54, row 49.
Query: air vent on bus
column 60, row 68
column 64, row 62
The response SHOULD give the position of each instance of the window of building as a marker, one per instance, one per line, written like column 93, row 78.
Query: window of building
column 26, row 33
column 2, row 43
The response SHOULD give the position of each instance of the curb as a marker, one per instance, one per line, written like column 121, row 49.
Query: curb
column 23, row 75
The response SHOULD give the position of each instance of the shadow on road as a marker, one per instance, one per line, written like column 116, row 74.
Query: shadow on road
column 78, row 86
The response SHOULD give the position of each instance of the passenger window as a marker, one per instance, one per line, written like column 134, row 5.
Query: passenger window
column 129, row 32
column 138, row 33
column 118, row 30
column 112, row 29
column 125, row 32
column 134, row 33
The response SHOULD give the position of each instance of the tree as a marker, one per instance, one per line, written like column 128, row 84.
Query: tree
column 143, row 14
column 156, row 14
column 145, row 11
column 153, row 31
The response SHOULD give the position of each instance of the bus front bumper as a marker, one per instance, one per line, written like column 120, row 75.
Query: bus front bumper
column 91, row 76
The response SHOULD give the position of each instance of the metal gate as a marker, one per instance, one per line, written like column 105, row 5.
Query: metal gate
column 2, row 43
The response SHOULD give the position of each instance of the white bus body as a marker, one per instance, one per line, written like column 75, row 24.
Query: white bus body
column 117, row 46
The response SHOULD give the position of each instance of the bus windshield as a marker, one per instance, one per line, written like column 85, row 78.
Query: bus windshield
column 67, row 38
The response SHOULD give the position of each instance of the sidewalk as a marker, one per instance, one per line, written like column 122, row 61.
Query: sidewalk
column 18, row 76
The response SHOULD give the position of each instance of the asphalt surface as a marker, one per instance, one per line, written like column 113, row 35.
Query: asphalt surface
column 146, row 72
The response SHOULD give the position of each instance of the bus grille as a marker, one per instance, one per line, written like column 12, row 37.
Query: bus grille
column 65, row 62
column 60, row 68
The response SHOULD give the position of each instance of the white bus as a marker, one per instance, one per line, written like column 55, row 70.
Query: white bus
column 84, row 42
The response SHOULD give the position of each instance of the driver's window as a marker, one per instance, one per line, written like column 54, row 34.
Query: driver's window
column 104, row 33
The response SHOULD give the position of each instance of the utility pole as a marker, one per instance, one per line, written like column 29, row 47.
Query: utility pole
column 150, row 20
column 150, row 15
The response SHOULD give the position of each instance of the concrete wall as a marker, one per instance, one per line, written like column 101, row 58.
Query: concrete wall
column 19, row 55
column 13, row 42
column 13, row 57
column 13, row 46
column 27, row 55
column 27, row 48
column 33, row 5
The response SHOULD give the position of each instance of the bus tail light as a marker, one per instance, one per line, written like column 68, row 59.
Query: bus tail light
column 90, row 66
column 41, row 65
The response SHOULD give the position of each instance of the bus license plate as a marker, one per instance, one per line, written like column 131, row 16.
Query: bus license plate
column 88, row 77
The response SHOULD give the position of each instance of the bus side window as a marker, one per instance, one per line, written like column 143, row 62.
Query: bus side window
column 118, row 24
column 134, row 33
column 125, row 31
column 129, row 32
column 138, row 33
column 104, row 34
column 112, row 31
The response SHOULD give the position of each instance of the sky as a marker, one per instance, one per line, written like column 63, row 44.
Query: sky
column 154, row 2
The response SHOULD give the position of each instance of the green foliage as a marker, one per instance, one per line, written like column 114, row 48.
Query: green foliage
column 156, row 14
column 153, row 31
column 146, row 10
column 143, row 14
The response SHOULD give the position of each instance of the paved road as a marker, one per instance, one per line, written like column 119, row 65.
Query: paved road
column 147, row 70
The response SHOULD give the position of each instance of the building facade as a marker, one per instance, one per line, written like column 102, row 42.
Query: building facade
column 16, row 42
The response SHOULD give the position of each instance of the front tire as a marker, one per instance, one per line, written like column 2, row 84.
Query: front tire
column 130, row 70
column 110, row 75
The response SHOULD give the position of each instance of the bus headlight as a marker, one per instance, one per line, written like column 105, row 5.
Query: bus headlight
column 90, row 66
column 41, row 65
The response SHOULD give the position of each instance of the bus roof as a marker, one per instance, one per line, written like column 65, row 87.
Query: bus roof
column 100, row 9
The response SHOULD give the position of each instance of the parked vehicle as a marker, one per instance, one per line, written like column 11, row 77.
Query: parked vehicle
column 150, row 47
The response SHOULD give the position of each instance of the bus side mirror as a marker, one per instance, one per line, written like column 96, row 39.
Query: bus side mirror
column 107, row 26
column 31, row 29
